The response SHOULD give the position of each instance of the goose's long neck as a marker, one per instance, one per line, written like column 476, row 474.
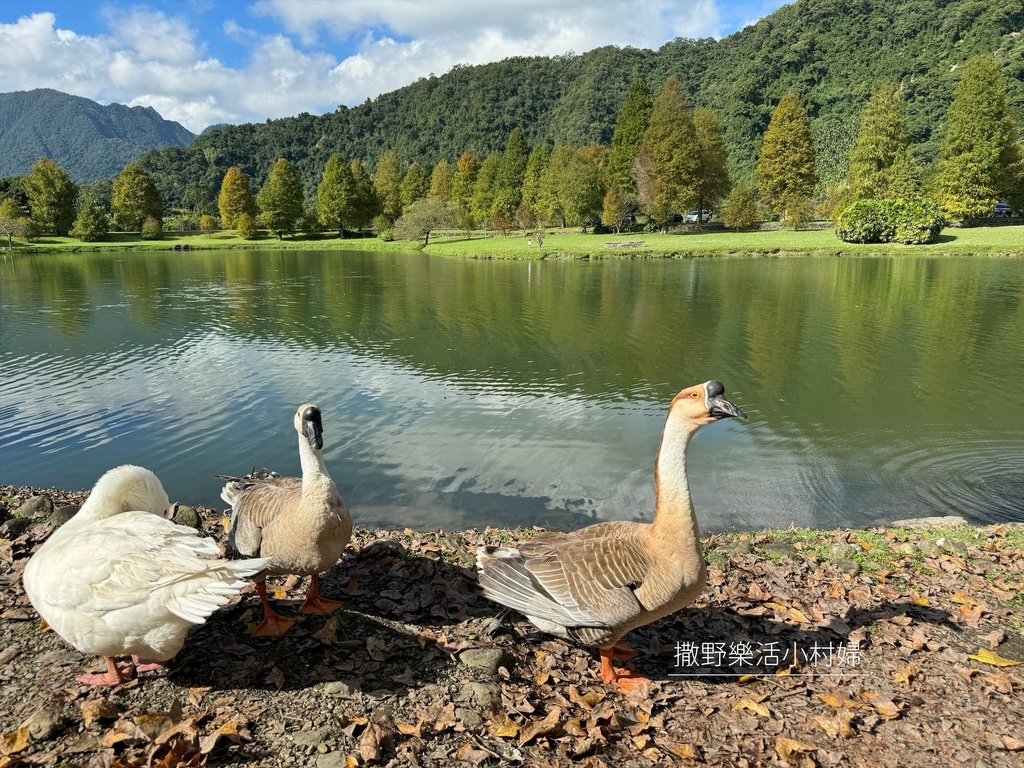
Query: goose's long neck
column 312, row 461
column 674, row 516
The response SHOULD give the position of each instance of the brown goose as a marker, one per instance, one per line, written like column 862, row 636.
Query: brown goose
column 299, row 523
column 595, row 584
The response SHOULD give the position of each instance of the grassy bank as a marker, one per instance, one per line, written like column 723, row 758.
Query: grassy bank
column 569, row 243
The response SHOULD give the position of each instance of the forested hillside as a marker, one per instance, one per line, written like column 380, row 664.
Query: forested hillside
column 89, row 140
column 830, row 52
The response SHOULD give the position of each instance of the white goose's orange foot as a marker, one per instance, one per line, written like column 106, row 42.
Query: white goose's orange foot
column 144, row 665
column 626, row 679
column 113, row 676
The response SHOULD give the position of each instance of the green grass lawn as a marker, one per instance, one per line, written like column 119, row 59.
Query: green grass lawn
column 569, row 243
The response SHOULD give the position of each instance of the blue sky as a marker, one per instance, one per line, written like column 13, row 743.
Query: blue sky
column 211, row 61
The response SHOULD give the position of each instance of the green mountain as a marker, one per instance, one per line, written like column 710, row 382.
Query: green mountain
column 830, row 52
column 88, row 140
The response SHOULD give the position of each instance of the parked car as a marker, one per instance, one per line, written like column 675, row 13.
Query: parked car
column 1003, row 209
column 691, row 217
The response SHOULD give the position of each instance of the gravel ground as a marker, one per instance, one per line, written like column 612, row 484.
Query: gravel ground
column 884, row 647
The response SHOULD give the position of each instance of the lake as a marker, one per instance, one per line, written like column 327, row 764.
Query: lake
column 461, row 394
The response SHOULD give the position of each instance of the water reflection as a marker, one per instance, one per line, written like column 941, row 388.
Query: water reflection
column 474, row 393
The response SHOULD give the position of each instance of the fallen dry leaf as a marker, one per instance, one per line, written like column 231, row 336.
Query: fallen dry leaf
column 985, row 656
column 906, row 675
column 754, row 705
column 14, row 742
column 786, row 748
column 97, row 709
column 473, row 754
column 532, row 730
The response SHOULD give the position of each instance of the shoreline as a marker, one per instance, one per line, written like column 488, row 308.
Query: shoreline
column 417, row 667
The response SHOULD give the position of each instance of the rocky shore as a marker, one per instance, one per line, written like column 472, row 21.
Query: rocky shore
column 880, row 647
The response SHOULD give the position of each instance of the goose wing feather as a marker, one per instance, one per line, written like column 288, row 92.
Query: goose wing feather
column 579, row 579
column 255, row 505
column 146, row 559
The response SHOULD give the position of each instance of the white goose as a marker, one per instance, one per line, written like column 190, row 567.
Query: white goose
column 299, row 523
column 120, row 579
column 595, row 584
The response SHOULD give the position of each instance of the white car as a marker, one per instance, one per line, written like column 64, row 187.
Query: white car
column 691, row 217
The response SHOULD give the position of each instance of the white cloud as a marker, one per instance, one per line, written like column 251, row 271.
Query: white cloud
column 326, row 53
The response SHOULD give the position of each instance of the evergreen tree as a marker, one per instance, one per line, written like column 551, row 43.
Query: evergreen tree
column 483, row 189
column 536, row 164
column 879, row 163
column 462, row 189
column 51, row 197
column 134, row 199
column 92, row 222
column 508, row 182
column 979, row 155
column 712, row 176
column 740, row 209
column 387, row 182
column 235, row 198
column 668, row 164
column 366, row 204
column 281, row 200
column 336, row 196
column 415, row 185
column 630, row 126
column 614, row 207
column 785, row 171
column 441, row 182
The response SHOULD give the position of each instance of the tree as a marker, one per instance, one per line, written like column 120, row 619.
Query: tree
column 51, row 197
column 197, row 198
column 628, row 136
column 785, row 171
column 235, row 197
column 336, row 196
column 421, row 217
column 571, row 187
column 92, row 222
column 245, row 227
column 614, row 207
column 462, row 189
column 536, row 164
column 880, row 166
column 387, row 182
column 483, row 189
column 13, row 221
column 712, row 176
column 134, row 199
column 152, row 229
column 415, row 185
column 441, row 182
column 281, row 200
column 366, row 204
column 508, row 181
column 740, row 209
column 207, row 224
column 979, row 155
column 667, row 166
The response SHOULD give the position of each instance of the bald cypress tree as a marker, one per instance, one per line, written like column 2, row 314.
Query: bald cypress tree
column 387, row 182
column 712, row 177
column 281, row 199
column 51, row 197
column 441, row 182
column 785, row 172
column 235, row 198
column 628, row 136
column 508, row 181
column 979, row 154
column 880, row 166
column 462, row 189
column 668, row 165
column 134, row 199
column 336, row 195
column 415, row 185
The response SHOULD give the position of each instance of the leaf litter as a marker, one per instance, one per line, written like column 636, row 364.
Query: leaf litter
column 784, row 659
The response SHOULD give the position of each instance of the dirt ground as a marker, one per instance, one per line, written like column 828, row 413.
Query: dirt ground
column 884, row 647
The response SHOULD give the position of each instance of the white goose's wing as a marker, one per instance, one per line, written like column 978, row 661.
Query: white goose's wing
column 138, row 558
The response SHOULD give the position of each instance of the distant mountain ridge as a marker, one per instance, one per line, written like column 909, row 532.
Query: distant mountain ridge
column 88, row 140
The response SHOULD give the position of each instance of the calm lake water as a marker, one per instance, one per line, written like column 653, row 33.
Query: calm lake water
column 467, row 393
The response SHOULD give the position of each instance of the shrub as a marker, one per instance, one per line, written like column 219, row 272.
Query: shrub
column 866, row 221
column 383, row 228
column 246, row 226
column 152, row 229
column 916, row 220
column 92, row 223
column 909, row 220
